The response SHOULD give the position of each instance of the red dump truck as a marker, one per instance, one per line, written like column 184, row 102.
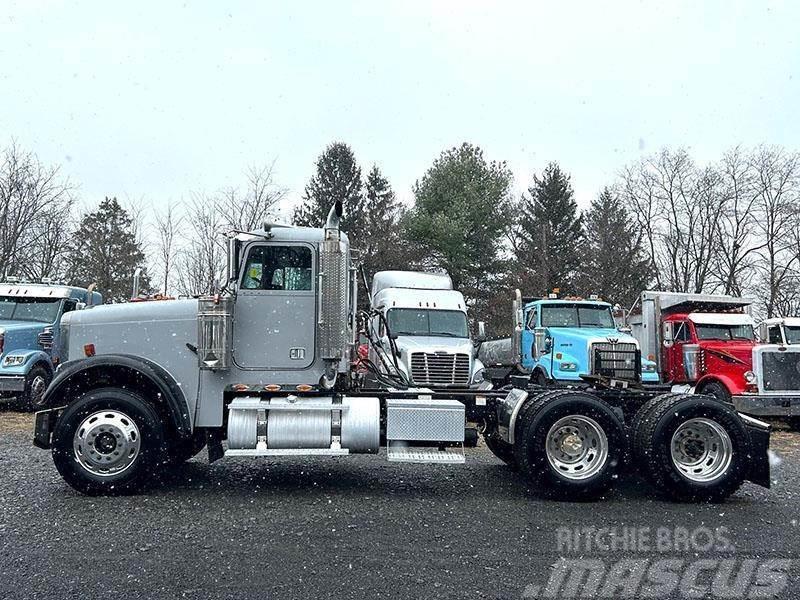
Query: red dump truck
column 708, row 341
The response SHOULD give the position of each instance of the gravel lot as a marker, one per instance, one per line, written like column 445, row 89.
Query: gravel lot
column 350, row 527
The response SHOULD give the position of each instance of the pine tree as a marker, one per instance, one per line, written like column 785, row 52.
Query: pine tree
column 381, row 243
column 550, row 232
column 104, row 251
column 615, row 266
column 460, row 214
column 338, row 177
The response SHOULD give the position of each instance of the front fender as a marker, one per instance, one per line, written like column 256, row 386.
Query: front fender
column 730, row 384
column 121, row 370
column 32, row 357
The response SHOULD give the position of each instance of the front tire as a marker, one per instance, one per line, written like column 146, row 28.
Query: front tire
column 570, row 443
column 716, row 390
column 109, row 441
column 36, row 384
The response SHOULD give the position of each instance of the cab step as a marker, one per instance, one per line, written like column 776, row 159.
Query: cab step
column 410, row 454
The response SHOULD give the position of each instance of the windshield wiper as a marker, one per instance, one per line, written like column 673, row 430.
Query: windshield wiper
column 445, row 334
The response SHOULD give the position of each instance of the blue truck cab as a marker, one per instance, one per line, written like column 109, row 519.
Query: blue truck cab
column 565, row 339
column 30, row 314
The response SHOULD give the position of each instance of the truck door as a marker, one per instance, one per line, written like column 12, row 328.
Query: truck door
column 275, row 317
column 674, row 353
column 529, row 339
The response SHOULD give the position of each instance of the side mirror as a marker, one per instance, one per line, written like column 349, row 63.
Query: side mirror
column 393, row 335
column 481, row 336
column 540, row 341
column 667, row 335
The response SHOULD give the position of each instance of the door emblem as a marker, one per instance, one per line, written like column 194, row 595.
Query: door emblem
column 297, row 353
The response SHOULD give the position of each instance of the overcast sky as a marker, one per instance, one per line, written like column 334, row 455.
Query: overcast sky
column 155, row 100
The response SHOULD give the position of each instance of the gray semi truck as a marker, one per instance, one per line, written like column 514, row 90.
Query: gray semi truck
column 268, row 368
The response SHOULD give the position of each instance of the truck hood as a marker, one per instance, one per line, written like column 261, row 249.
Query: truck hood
column 740, row 349
column 133, row 312
column 434, row 344
column 10, row 326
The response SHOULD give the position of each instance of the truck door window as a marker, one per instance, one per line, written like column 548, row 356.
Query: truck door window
column 531, row 324
column 682, row 332
column 278, row 268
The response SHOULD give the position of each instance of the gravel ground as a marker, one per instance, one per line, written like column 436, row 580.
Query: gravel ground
column 355, row 527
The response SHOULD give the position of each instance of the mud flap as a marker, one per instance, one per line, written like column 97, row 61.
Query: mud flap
column 44, row 422
column 759, row 446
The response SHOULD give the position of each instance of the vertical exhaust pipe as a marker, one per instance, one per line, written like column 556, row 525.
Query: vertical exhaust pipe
column 333, row 297
column 137, row 274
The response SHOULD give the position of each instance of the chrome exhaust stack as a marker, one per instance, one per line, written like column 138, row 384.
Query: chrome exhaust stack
column 332, row 310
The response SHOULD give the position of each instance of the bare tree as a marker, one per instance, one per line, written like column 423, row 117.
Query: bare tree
column 677, row 207
column 167, row 227
column 202, row 261
column 248, row 207
column 738, row 242
column 35, row 206
column 778, row 178
column 209, row 218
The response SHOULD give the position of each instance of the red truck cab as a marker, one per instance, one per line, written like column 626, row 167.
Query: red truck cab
column 711, row 351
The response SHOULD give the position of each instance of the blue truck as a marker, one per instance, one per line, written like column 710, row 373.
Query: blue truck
column 30, row 314
column 566, row 340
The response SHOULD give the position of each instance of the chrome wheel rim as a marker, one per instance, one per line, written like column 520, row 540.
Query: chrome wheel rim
column 107, row 443
column 38, row 386
column 701, row 450
column 577, row 447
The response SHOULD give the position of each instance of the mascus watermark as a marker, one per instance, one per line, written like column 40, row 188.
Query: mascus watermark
column 685, row 563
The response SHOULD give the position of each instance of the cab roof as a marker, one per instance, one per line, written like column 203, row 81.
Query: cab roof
column 551, row 301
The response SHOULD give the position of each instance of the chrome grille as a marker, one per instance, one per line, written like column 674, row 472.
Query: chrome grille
column 439, row 368
column 619, row 361
column 781, row 371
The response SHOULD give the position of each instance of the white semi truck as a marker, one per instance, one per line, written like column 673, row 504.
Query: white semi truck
column 268, row 368
column 423, row 320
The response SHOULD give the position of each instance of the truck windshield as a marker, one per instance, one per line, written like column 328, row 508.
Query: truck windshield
column 40, row 310
column 414, row 321
column 708, row 331
column 573, row 315
column 792, row 335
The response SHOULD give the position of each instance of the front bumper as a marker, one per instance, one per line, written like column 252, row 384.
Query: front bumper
column 12, row 383
column 767, row 406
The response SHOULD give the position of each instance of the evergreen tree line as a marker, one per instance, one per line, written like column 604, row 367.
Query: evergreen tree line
column 665, row 223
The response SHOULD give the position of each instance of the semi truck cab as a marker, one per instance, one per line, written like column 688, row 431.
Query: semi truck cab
column 564, row 340
column 780, row 330
column 708, row 349
column 427, row 321
column 580, row 337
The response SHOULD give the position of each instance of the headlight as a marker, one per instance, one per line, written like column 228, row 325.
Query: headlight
column 568, row 366
column 648, row 368
column 479, row 376
column 12, row 359
column 750, row 377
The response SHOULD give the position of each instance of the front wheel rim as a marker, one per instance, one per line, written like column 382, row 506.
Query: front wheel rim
column 577, row 447
column 701, row 450
column 38, row 386
column 107, row 443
